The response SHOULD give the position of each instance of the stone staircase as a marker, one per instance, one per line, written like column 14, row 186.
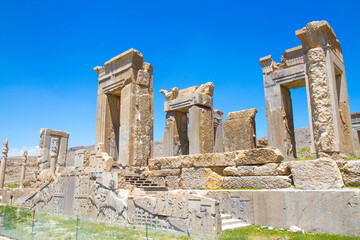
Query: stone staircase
column 144, row 183
column 228, row 223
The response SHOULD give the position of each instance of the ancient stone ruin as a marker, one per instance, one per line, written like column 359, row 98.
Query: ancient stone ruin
column 205, row 182
column 318, row 65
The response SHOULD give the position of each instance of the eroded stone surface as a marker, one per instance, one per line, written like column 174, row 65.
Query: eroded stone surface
column 258, row 156
column 239, row 130
column 351, row 173
column 322, row 173
column 270, row 169
column 267, row 182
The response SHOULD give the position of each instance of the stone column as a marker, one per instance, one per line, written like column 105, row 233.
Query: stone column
column 54, row 155
column 239, row 129
column 201, row 134
column 44, row 150
column 327, row 88
column 127, row 118
column 218, row 131
column 63, row 145
column 3, row 163
column 175, row 135
column 23, row 169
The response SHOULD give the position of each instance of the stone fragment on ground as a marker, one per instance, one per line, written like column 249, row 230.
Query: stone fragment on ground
column 351, row 173
column 322, row 173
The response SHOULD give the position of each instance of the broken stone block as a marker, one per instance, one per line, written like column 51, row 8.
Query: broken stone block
column 213, row 180
column 351, row 173
column 258, row 156
column 268, row 182
column 239, row 130
column 322, row 173
column 270, row 169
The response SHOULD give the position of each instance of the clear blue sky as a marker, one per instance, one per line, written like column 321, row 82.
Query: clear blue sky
column 48, row 50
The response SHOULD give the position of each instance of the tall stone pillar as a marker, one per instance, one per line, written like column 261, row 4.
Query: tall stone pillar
column 3, row 163
column 239, row 128
column 201, row 136
column 218, row 131
column 175, row 135
column 327, row 88
column 23, row 170
column 44, row 150
column 54, row 155
column 127, row 121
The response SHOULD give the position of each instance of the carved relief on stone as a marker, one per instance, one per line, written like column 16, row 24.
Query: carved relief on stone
column 171, row 95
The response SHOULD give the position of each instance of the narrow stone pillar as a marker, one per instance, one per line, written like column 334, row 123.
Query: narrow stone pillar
column 63, row 145
column 239, row 129
column 201, row 134
column 175, row 135
column 126, row 123
column 23, row 170
column 218, row 131
column 54, row 155
column 3, row 163
column 44, row 150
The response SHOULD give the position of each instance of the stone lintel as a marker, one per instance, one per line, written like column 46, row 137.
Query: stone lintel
column 183, row 104
column 128, row 59
column 55, row 133
column 319, row 34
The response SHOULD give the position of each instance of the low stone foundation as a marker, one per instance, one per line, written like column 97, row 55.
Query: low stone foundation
column 326, row 211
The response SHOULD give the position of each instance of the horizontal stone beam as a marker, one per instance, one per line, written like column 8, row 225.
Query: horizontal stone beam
column 184, row 103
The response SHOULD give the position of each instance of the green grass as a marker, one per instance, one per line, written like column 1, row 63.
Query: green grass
column 349, row 186
column 301, row 151
column 355, row 157
column 11, row 185
column 255, row 233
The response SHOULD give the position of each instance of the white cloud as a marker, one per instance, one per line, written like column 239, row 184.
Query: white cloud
column 32, row 151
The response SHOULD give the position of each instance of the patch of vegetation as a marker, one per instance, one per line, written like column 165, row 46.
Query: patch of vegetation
column 350, row 186
column 255, row 232
column 11, row 185
column 354, row 157
column 302, row 151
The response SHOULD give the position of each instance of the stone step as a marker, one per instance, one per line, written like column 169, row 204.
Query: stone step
column 155, row 188
column 225, row 216
column 230, row 221
column 235, row 226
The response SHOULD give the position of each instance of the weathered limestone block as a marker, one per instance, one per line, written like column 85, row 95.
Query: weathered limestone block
column 268, row 182
column 172, row 182
column 193, row 178
column 239, row 130
column 214, row 159
column 164, row 173
column 213, row 180
column 201, row 130
column 322, row 173
column 270, row 169
column 258, row 156
column 242, row 157
column 351, row 173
